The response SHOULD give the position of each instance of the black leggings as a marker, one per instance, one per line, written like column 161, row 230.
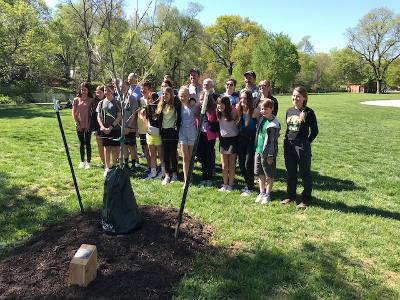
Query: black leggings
column 84, row 140
column 298, row 154
column 246, row 159
column 207, row 156
column 169, row 138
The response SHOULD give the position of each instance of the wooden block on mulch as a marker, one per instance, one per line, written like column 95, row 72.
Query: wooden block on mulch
column 83, row 266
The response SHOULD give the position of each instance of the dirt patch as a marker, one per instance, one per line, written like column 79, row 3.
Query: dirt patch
column 146, row 264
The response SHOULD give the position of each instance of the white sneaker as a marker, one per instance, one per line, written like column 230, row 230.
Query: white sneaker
column 81, row 165
column 228, row 188
column 166, row 180
column 223, row 188
column 106, row 171
column 151, row 176
column 87, row 165
column 174, row 178
column 259, row 197
column 245, row 189
column 245, row 192
column 265, row 199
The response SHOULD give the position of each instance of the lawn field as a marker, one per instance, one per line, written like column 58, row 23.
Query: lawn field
column 346, row 245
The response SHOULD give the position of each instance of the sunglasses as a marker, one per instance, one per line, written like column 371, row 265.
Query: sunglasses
column 229, row 84
column 262, row 85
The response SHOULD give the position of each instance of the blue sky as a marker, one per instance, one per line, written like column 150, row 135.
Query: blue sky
column 325, row 21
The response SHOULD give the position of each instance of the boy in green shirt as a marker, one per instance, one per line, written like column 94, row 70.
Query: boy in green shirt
column 266, row 150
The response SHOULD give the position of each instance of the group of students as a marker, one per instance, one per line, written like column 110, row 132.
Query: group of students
column 245, row 123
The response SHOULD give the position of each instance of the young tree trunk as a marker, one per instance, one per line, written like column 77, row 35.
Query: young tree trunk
column 89, row 58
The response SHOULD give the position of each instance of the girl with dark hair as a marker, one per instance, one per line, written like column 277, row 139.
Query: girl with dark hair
column 169, row 111
column 153, row 135
column 302, row 129
column 228, row 130
column 81, row 112
column 247, row 132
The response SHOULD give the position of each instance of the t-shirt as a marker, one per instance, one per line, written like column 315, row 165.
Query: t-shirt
column 234, row 98
column 188, row 115
column 135, row 91
column 108, row 111
column 261, row 135
column 194, row 91
column 296, row 130
column 169, row 117
column 82, row 113
column 129, row 106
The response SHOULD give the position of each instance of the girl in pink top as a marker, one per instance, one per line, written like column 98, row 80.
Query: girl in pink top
column 81, row 112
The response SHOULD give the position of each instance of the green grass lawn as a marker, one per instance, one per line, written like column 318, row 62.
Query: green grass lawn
column 345, row 246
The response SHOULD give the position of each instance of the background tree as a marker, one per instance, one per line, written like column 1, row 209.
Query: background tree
column 376, row 39
column 276, row 58
column 26, row 48
column 393, row 75
column 305, row 45
column 346, row 67
column 85, row 13
column 177, row 47
column 222, row 40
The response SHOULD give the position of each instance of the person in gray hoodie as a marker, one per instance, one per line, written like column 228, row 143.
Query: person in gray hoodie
column 266, row 144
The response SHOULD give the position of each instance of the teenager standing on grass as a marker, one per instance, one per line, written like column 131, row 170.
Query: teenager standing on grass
column 302, row 129
column 81, row 112
column 266, row 150
column 142, row 122
column 188, row 129
column 95, row 127
column 109, row 118
column 153, row 135
column 169, row 110
column 228, row 141
column 248, row 117
column 129, row 106
column 208, row 135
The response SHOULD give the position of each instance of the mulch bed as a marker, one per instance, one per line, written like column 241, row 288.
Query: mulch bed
column 146, row 264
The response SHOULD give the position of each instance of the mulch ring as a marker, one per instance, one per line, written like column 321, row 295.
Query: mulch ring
column 146, row 264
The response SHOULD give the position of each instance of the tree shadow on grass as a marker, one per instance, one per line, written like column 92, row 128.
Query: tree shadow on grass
column 22, row 213
column 26, row 111
column 325, row 183
column 357, row 209
column 311, row 272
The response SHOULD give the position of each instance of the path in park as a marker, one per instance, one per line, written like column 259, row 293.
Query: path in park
column 393, row 103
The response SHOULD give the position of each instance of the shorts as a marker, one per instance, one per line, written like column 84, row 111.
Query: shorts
column 142, row 138
column 130, row 139
column 261, row 167
column 228, row 145
column 187, row 135
column 108, row 139
column 153, row 140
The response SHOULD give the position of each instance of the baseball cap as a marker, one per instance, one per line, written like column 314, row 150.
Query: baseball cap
column 251, row 73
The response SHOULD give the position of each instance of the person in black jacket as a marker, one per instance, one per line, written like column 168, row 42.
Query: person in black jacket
column 169, row 112
column 302, row 129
